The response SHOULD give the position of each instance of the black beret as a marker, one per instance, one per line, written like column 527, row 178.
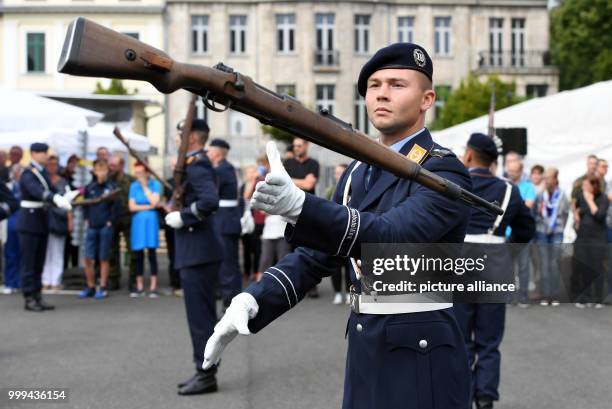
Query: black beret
column 220, row 143
column 484, row 144
column 39, row 147
column 399, row 55
column 199, row 125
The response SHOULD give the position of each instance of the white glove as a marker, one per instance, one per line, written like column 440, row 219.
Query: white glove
column 70, row 195
column 61, row 202
column 278, row 194
column 234, row 322
column 174, row 220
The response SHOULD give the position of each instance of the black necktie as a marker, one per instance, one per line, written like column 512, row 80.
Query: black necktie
column 374, row 173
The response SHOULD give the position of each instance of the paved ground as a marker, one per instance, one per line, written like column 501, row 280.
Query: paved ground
column 129, row 353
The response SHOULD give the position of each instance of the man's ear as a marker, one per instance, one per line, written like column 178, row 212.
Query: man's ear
column 429, row 98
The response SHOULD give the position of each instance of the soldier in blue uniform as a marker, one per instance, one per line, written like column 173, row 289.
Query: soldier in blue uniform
column 198, row 255
column 228, row 219
column 402, row 354
column 483, row 323
column 37, row 193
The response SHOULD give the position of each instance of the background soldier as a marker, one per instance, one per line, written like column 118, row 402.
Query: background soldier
column 198, row 255
column 483, row 323
column 123, row 181
column 37, row 192
column 228, row 219
column 398, row 352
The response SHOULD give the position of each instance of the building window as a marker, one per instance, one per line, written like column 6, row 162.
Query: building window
column 36, row 52
column 362, row 122
column 536, row 90
column 518, row 42
column 238, row 34
column 286, row 89
column 442, row 94
column 324, row 25
column 442, row 36
column 362, row 34
column 132, row 34
column 285, row 33
column 405, row 29
column 199, row 34
column 495, row 41
column 238, row 123
column 201, row 111
column 325, row 98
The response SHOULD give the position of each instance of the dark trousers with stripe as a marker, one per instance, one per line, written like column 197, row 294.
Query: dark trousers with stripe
column 483, row 330
column 199, row 283
column 33, row 248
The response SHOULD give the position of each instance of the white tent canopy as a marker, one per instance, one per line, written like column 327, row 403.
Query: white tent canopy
column 21, row 111
column 562, row 129
column 68, row 141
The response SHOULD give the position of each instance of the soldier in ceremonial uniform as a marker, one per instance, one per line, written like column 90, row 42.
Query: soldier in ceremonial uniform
column 400, row 355
column 483, row 323
column 228, row 219
column 37, row 193
column 198, row 254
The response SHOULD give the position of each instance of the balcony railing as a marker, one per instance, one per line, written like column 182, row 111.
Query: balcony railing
column 513, row 59
column 327, row 58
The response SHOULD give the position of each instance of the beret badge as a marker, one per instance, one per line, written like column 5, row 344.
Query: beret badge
column 419, row 57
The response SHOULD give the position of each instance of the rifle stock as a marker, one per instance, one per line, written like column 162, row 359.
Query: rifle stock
column 179, row 169
column 95, row 51
column 135, row 155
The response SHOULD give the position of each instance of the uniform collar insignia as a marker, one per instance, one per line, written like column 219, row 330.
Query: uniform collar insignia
column 418, row 148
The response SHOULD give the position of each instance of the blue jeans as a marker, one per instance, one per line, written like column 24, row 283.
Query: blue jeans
column 522, row 261
column 550, row 257
column 97, row 242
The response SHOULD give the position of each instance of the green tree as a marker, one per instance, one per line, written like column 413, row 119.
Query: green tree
column 115, row 88
column 581, row 34
column 471, row 100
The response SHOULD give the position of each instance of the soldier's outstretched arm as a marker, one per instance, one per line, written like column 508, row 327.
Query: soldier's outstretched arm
column 280, row 289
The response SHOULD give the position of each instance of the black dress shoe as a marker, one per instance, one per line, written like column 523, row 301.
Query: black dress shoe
column 484, row 403
column 203, row 382
column 181, row 384
column 32, row 305
column 42, row 304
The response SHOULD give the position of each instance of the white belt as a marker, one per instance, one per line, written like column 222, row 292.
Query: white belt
column 228, row 203
column 28, row 204
column 396, row 304
column 484, row 238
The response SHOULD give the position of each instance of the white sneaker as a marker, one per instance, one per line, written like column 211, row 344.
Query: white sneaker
column 579, row 305
column 598, row 306
column 338, row 299
column 544, row 303
column 555, row 303
column 7, row 291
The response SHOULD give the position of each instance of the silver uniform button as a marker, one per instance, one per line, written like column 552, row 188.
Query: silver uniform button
column 423, row 343
column 359, row 327
column 191, row 229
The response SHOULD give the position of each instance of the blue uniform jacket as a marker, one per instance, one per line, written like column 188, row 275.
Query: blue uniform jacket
column 98, row 215
column 517, row 215
column 228, row 218
column 8, row 202
column 386, row 367
column 198, row 241
column 33, row 189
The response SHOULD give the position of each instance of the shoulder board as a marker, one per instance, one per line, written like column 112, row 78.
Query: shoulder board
column 192, row 159
column 441, row 152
